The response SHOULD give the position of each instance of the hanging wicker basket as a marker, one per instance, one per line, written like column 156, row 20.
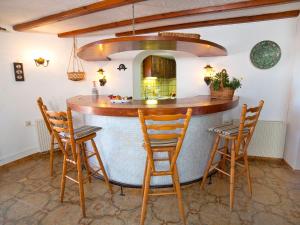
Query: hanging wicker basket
column 75, row 69
column 76, row 76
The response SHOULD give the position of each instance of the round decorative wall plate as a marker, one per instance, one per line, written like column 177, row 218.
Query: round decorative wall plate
column 265, row 54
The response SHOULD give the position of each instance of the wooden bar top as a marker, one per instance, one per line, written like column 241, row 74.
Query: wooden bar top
column 101, row 105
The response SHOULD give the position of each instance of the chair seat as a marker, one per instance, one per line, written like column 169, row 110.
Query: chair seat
column 163, row 143
column 81, row 132
column 228, row 129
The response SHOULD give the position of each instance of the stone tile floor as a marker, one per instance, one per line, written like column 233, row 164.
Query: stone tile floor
column 28, row 196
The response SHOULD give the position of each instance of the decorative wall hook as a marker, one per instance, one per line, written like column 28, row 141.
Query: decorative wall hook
column 122, row 67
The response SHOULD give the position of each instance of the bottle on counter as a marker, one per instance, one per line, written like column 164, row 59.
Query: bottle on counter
column 95, row 91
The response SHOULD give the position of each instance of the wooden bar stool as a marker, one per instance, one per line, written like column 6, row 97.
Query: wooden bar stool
column 51, row 150
column 163, row 134
column 72, row 144
column 239, row 136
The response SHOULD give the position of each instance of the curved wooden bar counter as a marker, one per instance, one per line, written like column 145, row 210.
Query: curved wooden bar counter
column 101, row 105
column 121, row 141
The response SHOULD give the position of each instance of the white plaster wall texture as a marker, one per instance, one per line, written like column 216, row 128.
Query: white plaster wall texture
column 292, row 147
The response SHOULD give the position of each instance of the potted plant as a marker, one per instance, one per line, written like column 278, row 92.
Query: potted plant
column 221, row 86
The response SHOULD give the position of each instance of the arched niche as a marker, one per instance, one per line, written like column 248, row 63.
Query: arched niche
column 138, row 62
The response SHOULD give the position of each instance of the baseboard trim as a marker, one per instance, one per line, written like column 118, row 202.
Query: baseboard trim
column 296, row 170
column 36, row 155
column 13, row 157
column 264, row 158
column 271, row 159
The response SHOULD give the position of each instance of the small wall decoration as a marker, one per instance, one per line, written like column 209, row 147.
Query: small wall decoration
column 265, row 54
column 122, row 67
column 19, row 72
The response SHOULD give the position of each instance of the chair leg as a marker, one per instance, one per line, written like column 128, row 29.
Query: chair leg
column 145, row 172
column 212, row 156
column 223, row 160
column 145, row 194
column 232, row 173
column 170, row 159
column 246, row 163
column 83, row 149
column 101, row 166
column 63, row 179
column 80, row 182
column 51, row 154
column 179, row 195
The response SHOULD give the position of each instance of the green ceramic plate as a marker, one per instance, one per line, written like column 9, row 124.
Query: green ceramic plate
column 265, row 54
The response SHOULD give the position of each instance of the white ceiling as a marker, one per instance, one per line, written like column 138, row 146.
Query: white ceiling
column 18, row 11
column 213, row 16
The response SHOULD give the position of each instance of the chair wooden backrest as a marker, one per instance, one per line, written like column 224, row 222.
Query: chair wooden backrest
column 41, row 105
column 164, row 127
column 248, row 121
column 61, row 122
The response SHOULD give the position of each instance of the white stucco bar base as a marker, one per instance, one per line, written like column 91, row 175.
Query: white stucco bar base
column 120, row 144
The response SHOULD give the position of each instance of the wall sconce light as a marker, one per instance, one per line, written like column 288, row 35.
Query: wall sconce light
column 102, row 77
column 208, row 73
column 41, row 62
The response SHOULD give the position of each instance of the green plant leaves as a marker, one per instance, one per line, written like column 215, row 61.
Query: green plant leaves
column 221, row 79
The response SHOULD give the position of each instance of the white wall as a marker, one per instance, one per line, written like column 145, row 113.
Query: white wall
column 17, row 99
column 292, row 148
column 257, row 84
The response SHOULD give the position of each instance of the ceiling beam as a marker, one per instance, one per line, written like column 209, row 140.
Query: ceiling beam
column 235, row 20
column 176, row 14
column 76, row 12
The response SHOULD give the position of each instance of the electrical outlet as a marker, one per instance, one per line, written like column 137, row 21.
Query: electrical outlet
column 27, row 123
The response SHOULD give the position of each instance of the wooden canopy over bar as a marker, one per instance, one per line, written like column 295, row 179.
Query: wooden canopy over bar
column 102, row 49
column 201, row 105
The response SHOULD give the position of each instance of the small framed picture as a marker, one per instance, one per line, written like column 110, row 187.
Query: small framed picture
column 19, row 72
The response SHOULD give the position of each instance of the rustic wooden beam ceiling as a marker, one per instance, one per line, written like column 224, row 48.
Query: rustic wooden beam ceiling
column 176, row 14
column 80, row 11
column 235, row 20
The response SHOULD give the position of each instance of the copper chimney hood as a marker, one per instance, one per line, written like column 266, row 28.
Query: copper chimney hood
column 102, row 49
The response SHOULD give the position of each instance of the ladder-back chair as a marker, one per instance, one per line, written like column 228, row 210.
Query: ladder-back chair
column 239, row 136
column 72, row 143
column 51, row 150
column 163, row 135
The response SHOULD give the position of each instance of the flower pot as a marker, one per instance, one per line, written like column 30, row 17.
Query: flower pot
column 222, row 93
